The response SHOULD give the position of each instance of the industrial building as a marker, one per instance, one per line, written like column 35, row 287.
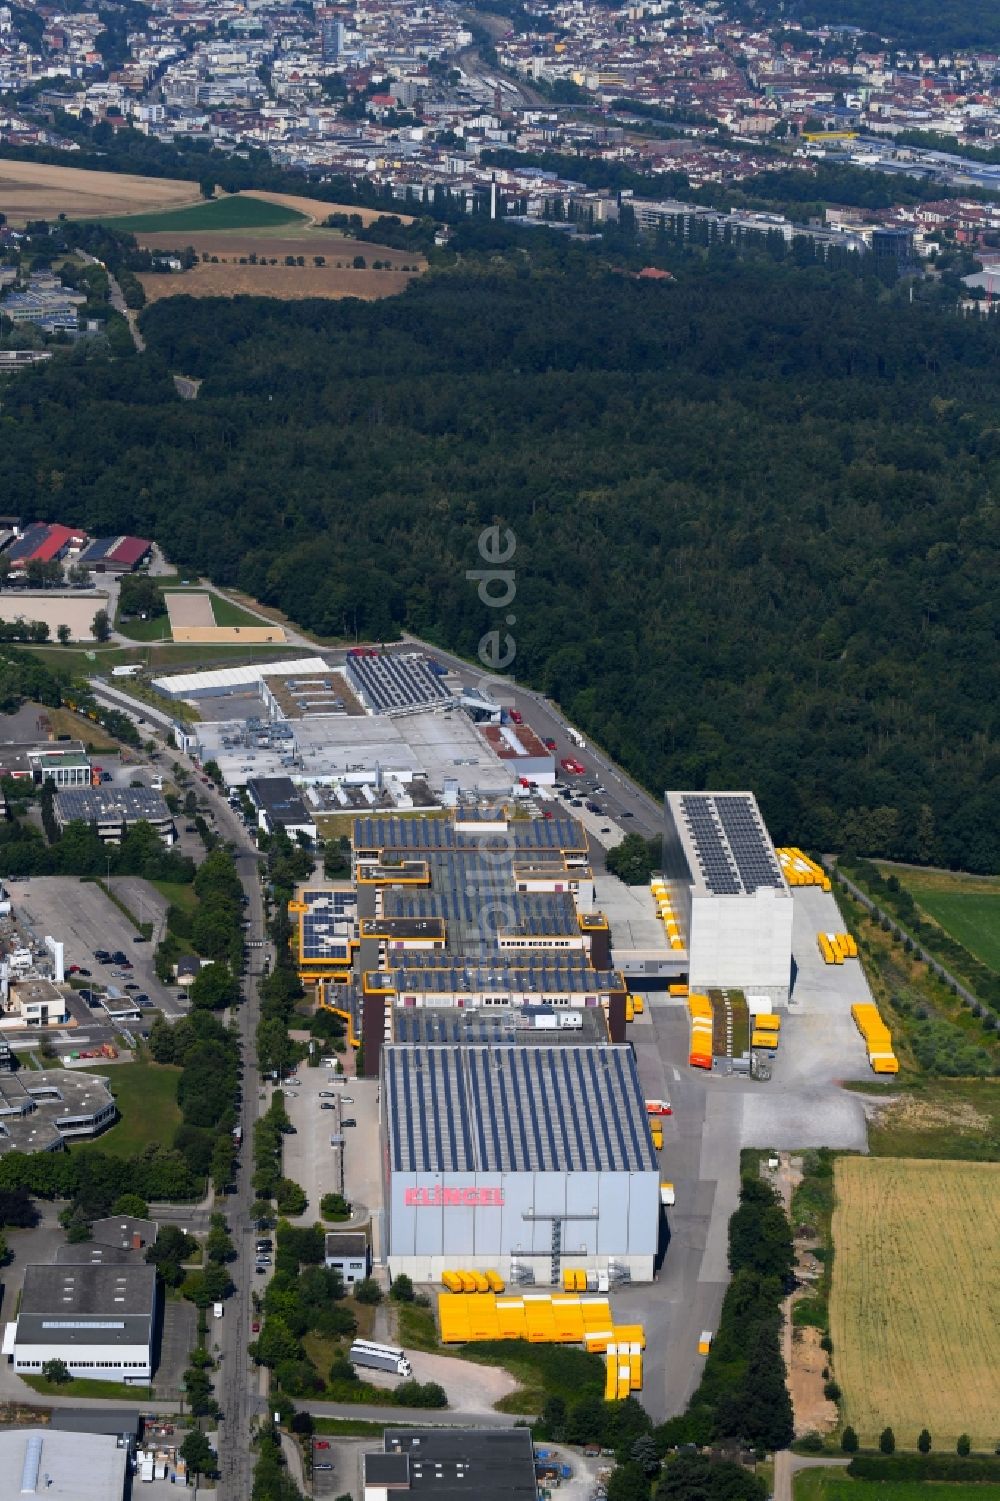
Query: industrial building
column 115, row 554
column 347, row 1252
column 41, row 1111
column 99, row 1319
column 61, row 1465
column 452, row 1464
column 730, row 903
column 468, row 912
column 515, row 1158
column 112, row 811
column 279, row 805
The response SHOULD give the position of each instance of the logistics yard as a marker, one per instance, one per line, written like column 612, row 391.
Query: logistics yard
column 915, row 1312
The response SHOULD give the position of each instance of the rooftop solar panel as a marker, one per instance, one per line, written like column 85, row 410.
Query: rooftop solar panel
column 731, row 844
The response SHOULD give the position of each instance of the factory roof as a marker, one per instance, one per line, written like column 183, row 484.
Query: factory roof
column 416, row 835
column 104, row 804
column 514, row 1109
column 481, row 1463
column 87, row 1305
column 395, row 684
column 527, row 1025
column 178, row 685
column 728, row 848
column 279, row 799
column 527, row 971
column 79, row 1466
column 486, row 911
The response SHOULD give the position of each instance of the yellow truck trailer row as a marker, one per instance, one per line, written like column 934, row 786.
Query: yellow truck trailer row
column 473, row 1282
column 799, row 870
column 539, row 1317
column 836, row 947
column 877, row 1037
column 667, row 914
column 624, row 1372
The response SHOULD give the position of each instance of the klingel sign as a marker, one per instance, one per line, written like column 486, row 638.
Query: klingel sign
column 450, row 1198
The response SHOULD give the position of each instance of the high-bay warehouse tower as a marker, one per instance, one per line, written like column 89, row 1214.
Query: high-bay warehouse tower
column 517, row 1157
column 727, row 889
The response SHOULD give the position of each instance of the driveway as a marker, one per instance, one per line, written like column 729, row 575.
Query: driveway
column 471, row 1389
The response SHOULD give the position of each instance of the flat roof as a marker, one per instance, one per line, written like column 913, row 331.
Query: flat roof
column 407, row 836
column 491, row 1025
column 489, row 1464
column 727, row 846
column 346, row 1243
column 280, row 800
column 528, row 971
column 527, row 913
column 51, row 1462
column 515, row 742
column 512, row 1109
column 90, row 1304
column 105, row 804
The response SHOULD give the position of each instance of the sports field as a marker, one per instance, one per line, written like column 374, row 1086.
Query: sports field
column 915, row 1301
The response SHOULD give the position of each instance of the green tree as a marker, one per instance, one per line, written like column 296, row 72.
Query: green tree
column 219, row 1247
column 628, row 1482
column 554, row 1417
column 333, row 1206
column 402, row 1289
column 849, row 1440
column 964, row 1445
column 290, row 1197
column 100, row 627
column 887, row 1441
column 63, row 634
column 924, row 1441
column 57, row 1371
column 645, row 1454
column 214, row 987
column 197, row 1453
column 367, row 1291
column 131, row 1204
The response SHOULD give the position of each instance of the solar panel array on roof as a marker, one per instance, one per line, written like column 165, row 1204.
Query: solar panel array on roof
column 393, row 685
column 517, row 972
column 731, row 845
column 527, row 914
column 328, row 924
column 512, row 1109
column 407, row 836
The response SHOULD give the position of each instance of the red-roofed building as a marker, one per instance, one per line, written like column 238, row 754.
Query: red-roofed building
column 45, row 543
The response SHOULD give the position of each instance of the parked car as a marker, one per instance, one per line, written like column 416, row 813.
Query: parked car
column 606, row 829
column 328, row 1094
column 325, row 1465
column 293, row 1080
column 549, row 744
column 255, row 1327
column 131, row 985
column 516, row 717
column 346, row 1099
column 325, row 1105
column 349, row 1121
column 321, row 1443
column 73, row 969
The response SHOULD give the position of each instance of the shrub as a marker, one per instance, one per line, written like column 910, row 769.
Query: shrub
column 964, row 1445
column 927, row 1467
column 924, row 1441
column 849, row 1440
column 887, row 1441
column 368, row 1291
column 831, row 1391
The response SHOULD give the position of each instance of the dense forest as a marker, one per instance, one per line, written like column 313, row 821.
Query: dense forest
column 754, row 507
column 938, row 27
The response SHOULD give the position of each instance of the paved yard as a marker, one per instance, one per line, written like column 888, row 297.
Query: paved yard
column 80, row 915
column 180, row 1329
column 308, row 1156
column 470, row 1388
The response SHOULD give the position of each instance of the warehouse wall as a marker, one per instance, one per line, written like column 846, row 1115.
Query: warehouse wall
column 742, row 941
column 619, row 1219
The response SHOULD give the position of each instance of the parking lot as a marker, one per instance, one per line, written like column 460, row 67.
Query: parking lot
column 311, row 1161
column 81, row 917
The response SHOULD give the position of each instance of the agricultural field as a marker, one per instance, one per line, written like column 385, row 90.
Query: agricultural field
column 33, row 190
column 915, row 1306
column 239, row 211
column 967, row 907
column 834, row 1485
column 287, row 283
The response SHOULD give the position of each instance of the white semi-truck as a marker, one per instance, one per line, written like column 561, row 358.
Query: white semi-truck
column 380, row 1357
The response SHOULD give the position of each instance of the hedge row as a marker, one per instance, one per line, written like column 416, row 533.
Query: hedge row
column 925, row 1467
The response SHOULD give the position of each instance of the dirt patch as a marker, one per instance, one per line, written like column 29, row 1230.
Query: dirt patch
column 284, row 282
column 926, row 1115
column 76, row 610
column 189, row 609
column 814, row 1413
column 32, row 190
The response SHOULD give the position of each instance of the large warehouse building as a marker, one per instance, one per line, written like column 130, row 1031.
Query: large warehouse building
column 732, row 903
column 518, row 1159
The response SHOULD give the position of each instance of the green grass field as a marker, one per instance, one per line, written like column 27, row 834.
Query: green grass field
column 947, row 1119
column 833, row 1485
column 971, row 917
column 117, row 1390
column 236, row 212
column 177, row 894
column 542, row 1371
column 146, row 1096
